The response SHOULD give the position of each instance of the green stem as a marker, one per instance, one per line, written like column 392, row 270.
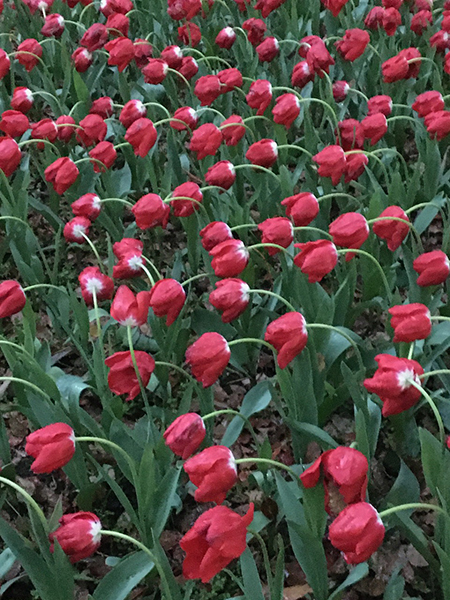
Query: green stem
column 258, row 167
column 75, row 105
column 268, row 245
column 229, row 411
column 244, row 226
column 253, row 341
column 411, row 351
column 295, row 147
column 35, row 388
column 117, row 200
column 97, row 316
column 270, row 462
column 150, row 278
column 410, row 225
column 308, row 228
column 167, row 112
column 254, row 118
column 422, row 205
column 169, row 70
column 161, row 363
column 39, row 141
column 149, row 262
column 123, row 536
column 274, row 295
column 210, row 109
column 116, row 447
column 358, row 93
column 199, row 276
column 433, row 407
column 374, row 260
column 335, row 195
column 409, row 506
column 28, row 499
column 44, row 285
column 437, row 372
column 344, row 335
column 18, row 346
column 94, row 250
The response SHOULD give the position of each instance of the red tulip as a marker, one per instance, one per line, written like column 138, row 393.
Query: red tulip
column 12, row 298
column 353, row 44
column 207, row 89
column 92, row 130
column 131, row 112
column 331, row 161
column 62, row 173
column 142, row 52
column 374, row 18
column 65, row 131
column 150, row 211
column 121, row 52
column 288, row 334
column 433, row 268
column 428, row 102
column 319, row 59
column 5, row 63
column 301, row 208
column 392, row 383
column 316, row 259
column 109, row 7
column 268, row 6
column 10, row 156
column 410, row 322
column 82, row 59
column 126, row 246
column 391, row 19
column 75, row 230
column 130, row 265
column 189, row 67
column 358, row 532
column 231, row 296
column 130, row 310
column 190, row 34
column 395, row 69
column 87, row 205
column 142, row 136
column 302, row 74
column 214, row 472
column 268, row 49
column 95, row 37
column 421, row 21
column 181, row 206
column 206, row 140
column 215, row 233
column 78, row 535
column 342, row 468
column 394, row 232
column 222, row 174
column 155, row 71
column 167, row 298
column 14, row 123
column 230, row 79
column 208, row 357
column 440, row 40
column 263, row 153
column 122, row 378
column 255, row 28
column 438, row 124
column 53, row 26
column 335, row 6
column 28, row 53
column 354, row 168
column 340, row 90
column 259, row 95
column 374, row 127
column 118, row 26
column 103, row 107
column 277, row 230
column 52, row 446
column 351, row 135
column 232, row 130
column 105, row 153
column 380, row 104
column 226, row 38
column 350, row 230
column 217, row 537
column 22, row 99
column 92, row 279
column 185, row 435
column 229, row 258
column 186, row 114
column 286, row 109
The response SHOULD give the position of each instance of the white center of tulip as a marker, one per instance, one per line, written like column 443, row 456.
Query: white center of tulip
column 405, row 378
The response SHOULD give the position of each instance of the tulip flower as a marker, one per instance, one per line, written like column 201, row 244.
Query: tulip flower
column 12, row 298
column 121, row 52
column 5, row 63
column 222, row 174
column 150, row 211
column 394, row 232
column 288, row 334
column 95, row 37
column 230, row 79
column 215, row 233
column 286, row 109
column 353, row 44
column 302, row 74
column 319, row 59
column 342, row 468
column 10, row 155
column 143, row 51
column 232, row 134
column 358, row 532
column 118, row 26
column 186, row 114
column 302, row 208
column 92, row 130
column 214, row 472
column 142, row 136
column 438, row 124
column 92, row 279
column 52, row 447
column 340, row 90
column 126, row 246
column 155, row 71
column 331, row 161
column 350, row 135
column 316, row 259
column 185, row 435
column 217, row 537
column 380, row 104
column 62, row 173
column 82, row 59
column 229, row 258
column 350, row 230
column 421, row 21
column 231, row 296
column 130, row 310
column 410, row 322
column 103, row 107
column 131, row 112
column 206, row 140
column 189, row 67
column 167, row 298
column 256, row 29
column 374, row 127
column 226, row 38
column 433, row 268
column 65, row 134
column 105, row 153
column 391, row 20
column 87, row 205
column 277, row 230
column 263, row 153
column 122, row 378
column 335, row 6
column 428, row 102
column 28, row 53
column 392, row 383
column 208, row 357
column 173, row 56
column 76, row 229
column 268, row 49
column 207, row 89
column 53, row 26
column 78, row 535
column 22, row 99
column 190, row 34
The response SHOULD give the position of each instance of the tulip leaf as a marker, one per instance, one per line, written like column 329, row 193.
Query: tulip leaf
column 81, row 89
column 395, row 587
column 406, row 488
column 124, row 577
column 252, row 582
column 356, row 574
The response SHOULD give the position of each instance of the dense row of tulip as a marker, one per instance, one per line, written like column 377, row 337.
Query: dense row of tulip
column 320, row 181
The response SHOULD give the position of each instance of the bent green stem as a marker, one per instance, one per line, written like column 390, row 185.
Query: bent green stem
column 123, row 536
column 335, row 195
column 94, row 250
column 44, row 285
column 433, row 407
column 343, row 334
column 116, row 447
column 316, row 229
column 259, row 168
column 252, row 341
column 195, row 277
column 28, row 499
column 149, row 276
column 412, row 505
column 358, row 93
column 269, row 245
column 437, row 372
column 274, row 295
column 149, row 262
column 39, row 141
column 422, row 205
column 235, row 413
column 268, row 461
column 35, row 388
column 374, row 260
column 169, row 70
column 295, row 147
column 117, row 200
column 161, row 363
column 97, row 316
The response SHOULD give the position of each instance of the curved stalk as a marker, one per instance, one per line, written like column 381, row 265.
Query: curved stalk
column 274, row 295
column 28, row 499
column 433, row 407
